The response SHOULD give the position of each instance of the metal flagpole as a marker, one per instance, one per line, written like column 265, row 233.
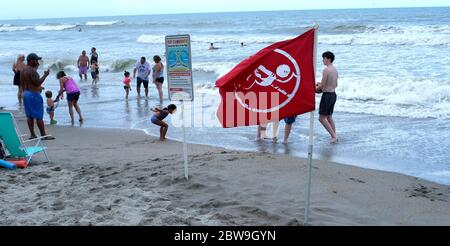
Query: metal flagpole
column 185, row 154
column 311, row 139
column 310, row 159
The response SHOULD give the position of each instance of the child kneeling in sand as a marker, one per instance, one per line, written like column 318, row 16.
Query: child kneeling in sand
column 51, row 106
column 158, row 119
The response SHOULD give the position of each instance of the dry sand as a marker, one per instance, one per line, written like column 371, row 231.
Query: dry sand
column 124, row 177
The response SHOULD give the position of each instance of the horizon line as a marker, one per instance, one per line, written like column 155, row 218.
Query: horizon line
column 220, row 12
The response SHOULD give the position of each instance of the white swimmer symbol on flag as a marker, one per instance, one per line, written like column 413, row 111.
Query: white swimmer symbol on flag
column 282, row 81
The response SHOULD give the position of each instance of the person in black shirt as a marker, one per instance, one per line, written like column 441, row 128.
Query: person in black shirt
column 94, row 55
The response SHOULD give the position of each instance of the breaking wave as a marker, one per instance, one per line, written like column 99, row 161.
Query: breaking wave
column 111, row 66
column 235, row 39
column 392, row 29
column 47, row 28
column 102, row 23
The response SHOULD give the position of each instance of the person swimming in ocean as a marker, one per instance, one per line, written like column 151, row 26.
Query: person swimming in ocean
column 212, row 47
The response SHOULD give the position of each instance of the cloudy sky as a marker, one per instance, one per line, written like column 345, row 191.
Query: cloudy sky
column 31, row 9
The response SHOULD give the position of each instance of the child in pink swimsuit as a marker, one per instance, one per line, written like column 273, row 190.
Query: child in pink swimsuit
column 127, row 83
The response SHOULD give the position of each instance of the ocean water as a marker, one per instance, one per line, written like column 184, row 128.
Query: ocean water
column 393, row 110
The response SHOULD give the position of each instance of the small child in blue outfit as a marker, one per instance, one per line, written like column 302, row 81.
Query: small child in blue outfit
column 51, row 106
column 158, row 119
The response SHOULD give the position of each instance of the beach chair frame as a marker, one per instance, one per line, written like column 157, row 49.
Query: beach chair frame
column 26, row 151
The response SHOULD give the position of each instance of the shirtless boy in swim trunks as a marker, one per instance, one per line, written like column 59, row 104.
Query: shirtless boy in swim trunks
column 328, row 87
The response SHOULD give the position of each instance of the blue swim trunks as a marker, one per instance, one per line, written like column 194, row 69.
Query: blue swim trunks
column 34, row 105
column 50, row 109
column 290, row 120
column 154, row 119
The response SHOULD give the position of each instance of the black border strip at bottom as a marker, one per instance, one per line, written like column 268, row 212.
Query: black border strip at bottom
column 213, row 235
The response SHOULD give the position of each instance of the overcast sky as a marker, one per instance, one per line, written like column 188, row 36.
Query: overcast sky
column 31, row 9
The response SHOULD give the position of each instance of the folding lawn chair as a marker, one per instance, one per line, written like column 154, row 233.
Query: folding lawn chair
column 14, row 142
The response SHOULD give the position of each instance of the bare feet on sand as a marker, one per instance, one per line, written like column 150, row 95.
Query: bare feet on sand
column 334, row 141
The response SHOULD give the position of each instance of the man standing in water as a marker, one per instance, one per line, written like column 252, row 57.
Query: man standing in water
column 83, row 65
column 142, row 68
column 328, row 87
column 33, row 102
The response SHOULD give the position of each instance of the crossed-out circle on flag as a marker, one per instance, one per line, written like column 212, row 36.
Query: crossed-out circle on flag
column 271, row 77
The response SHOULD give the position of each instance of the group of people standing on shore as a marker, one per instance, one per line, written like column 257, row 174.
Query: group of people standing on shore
column 29, row 85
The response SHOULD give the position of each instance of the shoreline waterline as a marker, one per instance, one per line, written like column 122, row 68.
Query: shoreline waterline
column 323, row 151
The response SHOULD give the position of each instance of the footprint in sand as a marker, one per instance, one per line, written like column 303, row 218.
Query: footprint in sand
column 357, row 180
column 100, row 209
column 25, row 210
column 431, row 193
column 56, row 169
column 58, row 206
column 196, row 186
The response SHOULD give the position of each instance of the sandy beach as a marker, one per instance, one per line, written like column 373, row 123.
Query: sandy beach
column 125, row 177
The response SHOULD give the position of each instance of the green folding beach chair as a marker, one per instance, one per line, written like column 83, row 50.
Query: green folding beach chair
column 14, row 142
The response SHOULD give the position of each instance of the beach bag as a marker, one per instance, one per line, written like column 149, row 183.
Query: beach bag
column 3, row 150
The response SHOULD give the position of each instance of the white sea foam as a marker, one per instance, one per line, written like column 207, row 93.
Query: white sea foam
column 11, row 28
column 410, row 38
column 105, row 66
column 46, row 28
column 14, row 53
column 208, row 89
column 101, row 23
column 383, row 96
column 151, row 39
column 413, row 38
column 387, row 96
column 380, row 95
column 445, row 174
column 234, row 39
column 391, row 29
column 218, row 68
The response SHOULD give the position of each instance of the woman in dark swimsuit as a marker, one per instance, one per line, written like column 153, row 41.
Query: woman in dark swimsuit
column 17, row 68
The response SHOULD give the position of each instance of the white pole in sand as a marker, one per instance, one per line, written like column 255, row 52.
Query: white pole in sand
column 185, row 154
column 311, row 140
column 310, row 159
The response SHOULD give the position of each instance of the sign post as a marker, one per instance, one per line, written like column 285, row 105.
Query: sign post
column 179, row 77
column 185, row 153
